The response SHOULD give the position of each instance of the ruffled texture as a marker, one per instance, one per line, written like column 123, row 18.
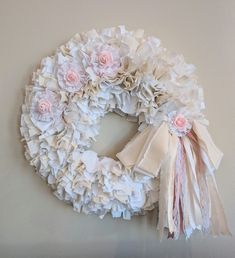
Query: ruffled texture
column 104, row 60
column 71, row 75
column 110, row 70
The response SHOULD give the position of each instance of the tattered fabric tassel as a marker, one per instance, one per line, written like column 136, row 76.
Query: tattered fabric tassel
column 179, row 184
column 202, row 182
column 192, row 206
column 184, row 156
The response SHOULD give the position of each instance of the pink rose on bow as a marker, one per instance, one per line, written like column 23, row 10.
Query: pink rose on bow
column 178, row 123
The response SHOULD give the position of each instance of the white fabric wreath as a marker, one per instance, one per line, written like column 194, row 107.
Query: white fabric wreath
column 111, row 70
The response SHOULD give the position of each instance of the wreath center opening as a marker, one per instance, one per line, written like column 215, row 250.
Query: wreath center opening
column 115, row 132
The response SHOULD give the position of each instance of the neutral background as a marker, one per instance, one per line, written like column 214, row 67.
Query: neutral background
column 33, row 223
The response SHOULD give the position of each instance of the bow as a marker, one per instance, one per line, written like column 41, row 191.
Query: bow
column 189, row 196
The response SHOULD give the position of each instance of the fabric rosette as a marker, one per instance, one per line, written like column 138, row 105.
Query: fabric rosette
column 45, row 106
column 102, row 60
column 71, row 76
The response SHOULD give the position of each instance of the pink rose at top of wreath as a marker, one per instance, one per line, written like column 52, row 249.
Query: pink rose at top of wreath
column 105, row 60
column 71, row 76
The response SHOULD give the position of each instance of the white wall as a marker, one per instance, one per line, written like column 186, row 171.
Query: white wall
column 33, row 223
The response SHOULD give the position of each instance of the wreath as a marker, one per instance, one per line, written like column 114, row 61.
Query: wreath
column 170, row 162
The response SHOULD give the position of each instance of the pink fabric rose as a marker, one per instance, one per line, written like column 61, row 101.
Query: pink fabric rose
column 71, row 76
column 105, row 60
column 178, row 124
column 45, row 106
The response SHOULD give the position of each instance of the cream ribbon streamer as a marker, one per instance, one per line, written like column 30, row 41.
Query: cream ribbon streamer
column 141, row 151
column 189, row 197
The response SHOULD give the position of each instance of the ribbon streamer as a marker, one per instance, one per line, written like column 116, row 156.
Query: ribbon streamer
column 189, row 197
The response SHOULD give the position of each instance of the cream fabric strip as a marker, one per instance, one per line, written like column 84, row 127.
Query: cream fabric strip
column 147, row 150
column 192, row 206
column 166, row 195
column 218, row 219
column 131, row 151
column 206, row 142
column 154, row 151
column 173, row 146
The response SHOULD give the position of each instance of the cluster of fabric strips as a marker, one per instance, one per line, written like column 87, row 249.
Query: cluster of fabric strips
column 171, row 160
column 188, row 197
